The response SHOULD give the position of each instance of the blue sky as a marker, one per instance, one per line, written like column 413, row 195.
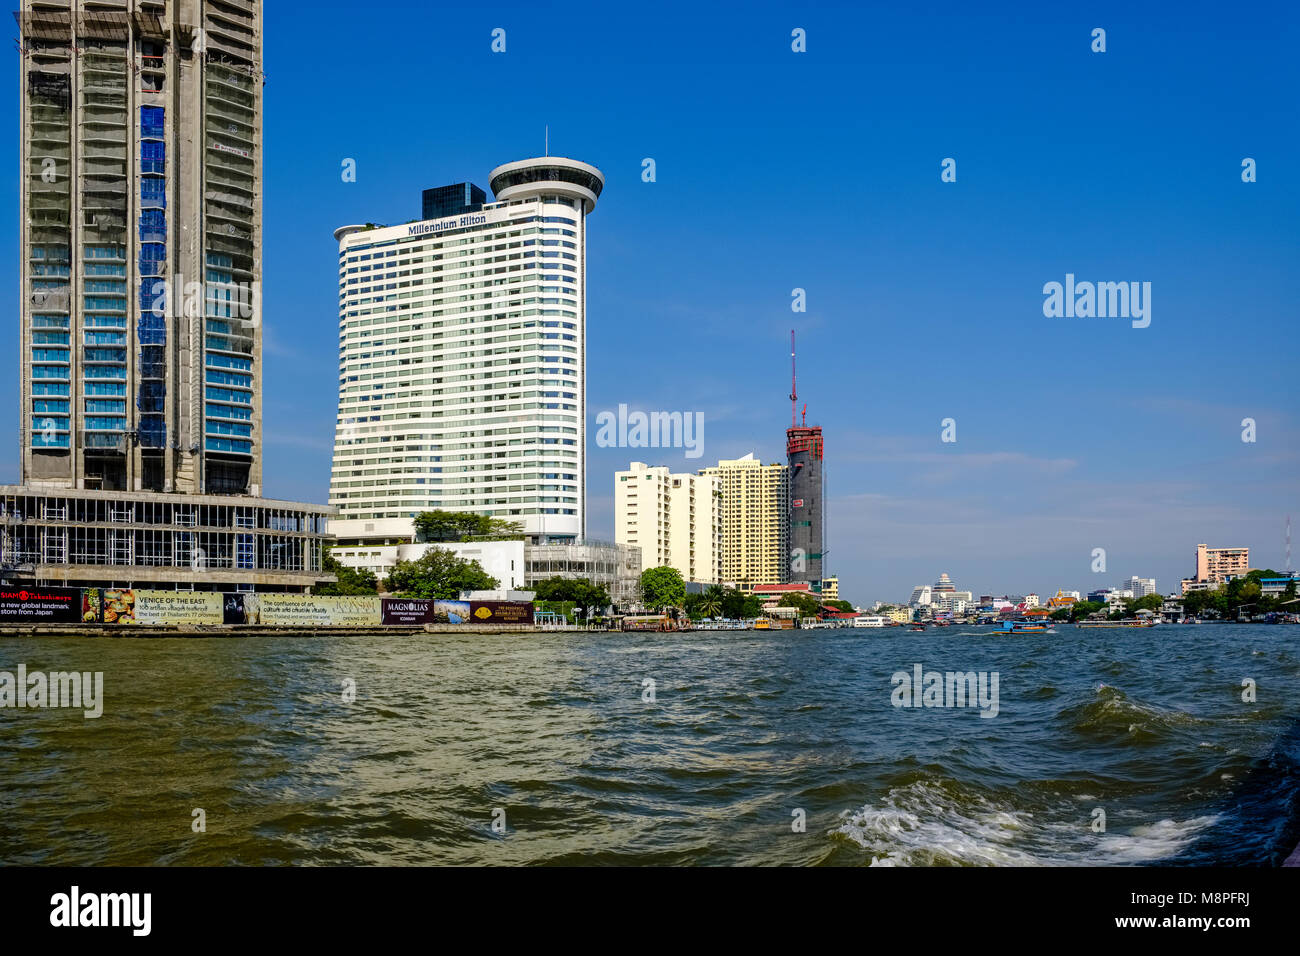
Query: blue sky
column 821, row 171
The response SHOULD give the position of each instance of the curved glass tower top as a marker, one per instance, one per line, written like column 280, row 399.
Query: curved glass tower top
column 548, row 174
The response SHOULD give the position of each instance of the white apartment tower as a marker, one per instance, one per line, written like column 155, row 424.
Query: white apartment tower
column 462, row 357
column 675, row 519
column 1140, row 587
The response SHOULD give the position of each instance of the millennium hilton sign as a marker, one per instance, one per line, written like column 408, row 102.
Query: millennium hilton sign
column 442, row 225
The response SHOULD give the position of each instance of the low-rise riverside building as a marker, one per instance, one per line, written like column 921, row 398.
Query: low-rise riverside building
column 1275, row 587
column 376, row 546
column 85, row 538
column 771, row 594
column 616, row 566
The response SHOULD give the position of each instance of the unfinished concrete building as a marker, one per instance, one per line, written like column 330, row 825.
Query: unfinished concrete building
column 141, row 158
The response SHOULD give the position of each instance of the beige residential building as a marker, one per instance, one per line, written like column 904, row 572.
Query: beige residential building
column 1216, row 565
column 755, row 521
column 831, row 588
column 675, row 520
column 1219, row 564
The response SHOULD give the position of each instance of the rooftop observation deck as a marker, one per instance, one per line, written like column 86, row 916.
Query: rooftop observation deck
column 551, row 174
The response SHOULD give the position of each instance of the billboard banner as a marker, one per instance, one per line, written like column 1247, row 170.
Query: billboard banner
column 408, row 611
column 40, row 605
column 309, row 610
column 137, row 606
column 232, row 609
column 455, row 612
column 501, row 612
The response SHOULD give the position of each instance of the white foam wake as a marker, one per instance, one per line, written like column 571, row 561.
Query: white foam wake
column 922, row 824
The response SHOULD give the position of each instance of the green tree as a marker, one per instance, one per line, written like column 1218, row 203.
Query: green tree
column 1246, row 590
column 578, row 591
column 692, row 604
column 808, row 605
column 440, row 574
column 846, row 606
column 1149, row 602
column 737, row 606
column 441, row 525
column 1081, row 609
column 662, row 587
column 711, row 603
column 350, row 580
column 1215, row 600
column 1249, row 592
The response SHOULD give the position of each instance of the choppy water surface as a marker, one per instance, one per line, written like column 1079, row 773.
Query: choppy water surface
column 746, row 728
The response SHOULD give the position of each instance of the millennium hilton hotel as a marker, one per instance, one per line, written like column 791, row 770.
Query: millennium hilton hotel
column 140, row 350
column 462, row 361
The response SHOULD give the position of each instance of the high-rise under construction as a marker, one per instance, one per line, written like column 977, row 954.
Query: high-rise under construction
column 803, row 449
column 141, row 244
column 140, row 328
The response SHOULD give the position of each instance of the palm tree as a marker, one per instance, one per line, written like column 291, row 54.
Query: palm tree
column 711, row 605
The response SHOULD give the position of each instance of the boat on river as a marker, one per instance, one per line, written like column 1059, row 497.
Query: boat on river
column 1018, row 627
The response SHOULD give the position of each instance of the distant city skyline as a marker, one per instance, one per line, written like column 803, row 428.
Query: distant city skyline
column 820, row 171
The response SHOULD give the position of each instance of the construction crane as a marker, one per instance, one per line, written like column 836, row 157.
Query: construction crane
column 794, row 392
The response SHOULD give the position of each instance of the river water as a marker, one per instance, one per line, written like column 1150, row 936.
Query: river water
column 555, row 738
